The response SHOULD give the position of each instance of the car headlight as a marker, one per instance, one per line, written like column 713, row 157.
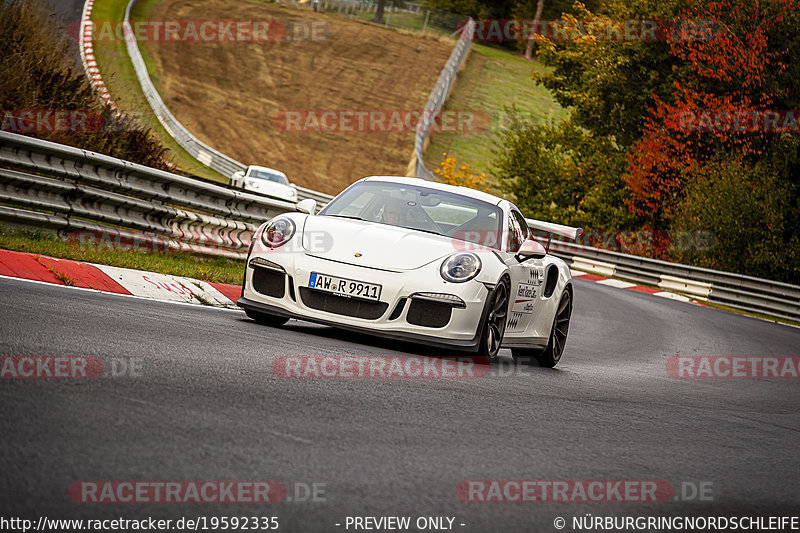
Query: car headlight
column 278, row 232
column 460, row 267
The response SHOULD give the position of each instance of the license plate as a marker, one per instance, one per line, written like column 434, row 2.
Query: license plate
column 344, row 287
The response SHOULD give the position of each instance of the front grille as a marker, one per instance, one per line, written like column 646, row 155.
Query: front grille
column 269, row 282
column 341, row 305
column 429, row 314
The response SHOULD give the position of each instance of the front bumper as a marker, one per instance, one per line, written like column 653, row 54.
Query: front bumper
column 277, row 283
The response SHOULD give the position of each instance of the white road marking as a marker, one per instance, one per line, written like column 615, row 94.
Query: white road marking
column 672, row 296
column 70, row 287
column 616, row 283
column 166, row 287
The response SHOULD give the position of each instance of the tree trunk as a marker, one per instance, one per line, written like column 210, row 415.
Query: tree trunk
column 379, row 12
column 536, row 18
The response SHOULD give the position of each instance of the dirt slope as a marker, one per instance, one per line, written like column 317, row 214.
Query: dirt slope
column 229, row 93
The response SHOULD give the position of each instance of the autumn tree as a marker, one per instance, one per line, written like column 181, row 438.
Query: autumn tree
column 700, row 126
column 537, row 17
column 379, row 9
column 717, row 110
column 572, row 172
column 562, row 173
column 451, row 173
column 722, row 153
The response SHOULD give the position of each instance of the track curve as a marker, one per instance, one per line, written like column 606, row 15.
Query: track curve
column 208, row 406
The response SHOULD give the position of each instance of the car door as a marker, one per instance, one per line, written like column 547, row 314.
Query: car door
column 526, row 276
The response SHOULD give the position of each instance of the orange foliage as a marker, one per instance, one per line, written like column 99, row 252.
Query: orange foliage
column 451, row 173
column 730, row 72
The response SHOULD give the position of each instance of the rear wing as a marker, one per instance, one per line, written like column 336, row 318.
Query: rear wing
column 568, row 232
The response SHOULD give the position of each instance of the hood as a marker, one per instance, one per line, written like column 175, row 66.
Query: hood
column 381, row 246
column 268, row 187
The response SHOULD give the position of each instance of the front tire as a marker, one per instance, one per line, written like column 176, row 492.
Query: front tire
column 265, row 319
column 494, row 325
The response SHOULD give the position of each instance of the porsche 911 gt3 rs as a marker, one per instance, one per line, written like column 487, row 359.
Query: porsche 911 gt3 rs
column 415, row 260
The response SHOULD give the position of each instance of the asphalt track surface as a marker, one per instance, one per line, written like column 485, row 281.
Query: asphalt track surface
column 68, row 13
column 208, row 406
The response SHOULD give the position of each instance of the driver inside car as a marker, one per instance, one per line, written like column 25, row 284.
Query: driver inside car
column 394, row 212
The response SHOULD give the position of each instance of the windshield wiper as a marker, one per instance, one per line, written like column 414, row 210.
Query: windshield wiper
column 353, row 217
column 428, row 231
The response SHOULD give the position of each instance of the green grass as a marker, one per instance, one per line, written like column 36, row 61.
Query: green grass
column 120, row 78
column 202, row 267
column 141, row 11
column 409, row 21
column 491, row 80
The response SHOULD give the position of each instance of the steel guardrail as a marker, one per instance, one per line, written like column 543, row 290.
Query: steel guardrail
column 66, row 189
column 210, row 157
column 438, row 97
column 747, row 293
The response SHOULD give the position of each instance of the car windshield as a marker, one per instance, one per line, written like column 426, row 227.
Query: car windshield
column 420, row 208
column 267, row 175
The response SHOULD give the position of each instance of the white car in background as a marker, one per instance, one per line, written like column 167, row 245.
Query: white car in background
column 415, row 260
column 265, row 181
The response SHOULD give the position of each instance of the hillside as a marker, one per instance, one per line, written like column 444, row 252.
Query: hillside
column 229, row 94
column 492, row 80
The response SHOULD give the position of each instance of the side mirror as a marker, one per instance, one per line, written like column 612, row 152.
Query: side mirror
column 531, row 249
column 292, row 185
column 234, row 181
column 308, row 206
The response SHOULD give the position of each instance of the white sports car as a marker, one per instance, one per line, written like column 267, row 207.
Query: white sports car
column 265, row 181
column 415, row 260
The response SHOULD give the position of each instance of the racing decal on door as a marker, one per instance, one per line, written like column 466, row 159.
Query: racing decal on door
column 513, row 320
column 536, row 275
column 524, row 299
